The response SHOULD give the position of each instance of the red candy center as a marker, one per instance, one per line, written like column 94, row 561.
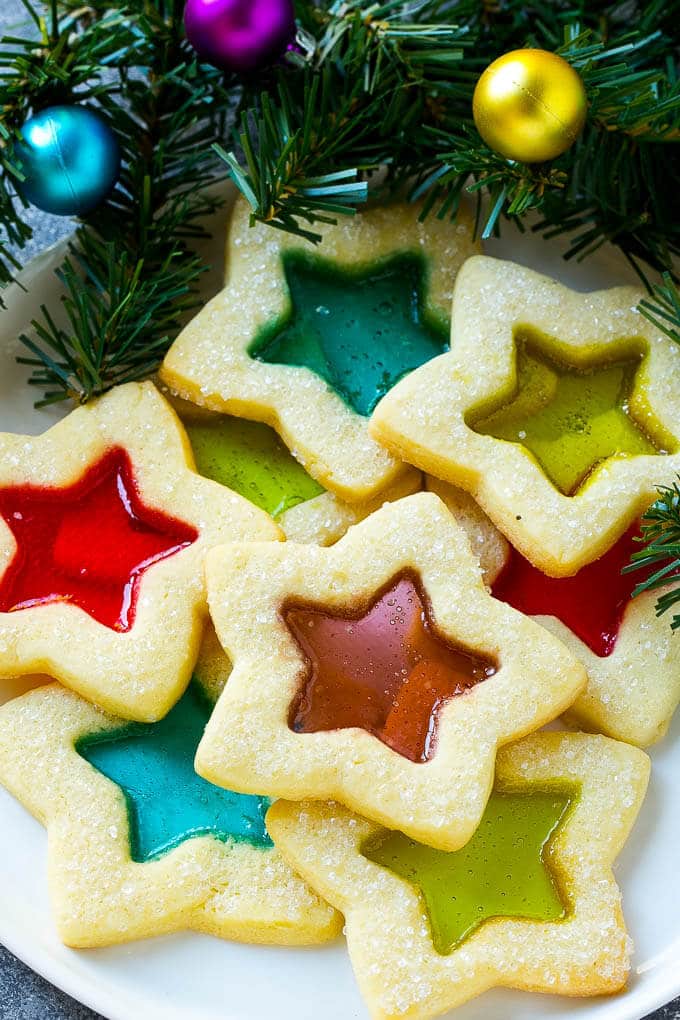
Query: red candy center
column 385, row 671
column 591, row 603
column 88, row 544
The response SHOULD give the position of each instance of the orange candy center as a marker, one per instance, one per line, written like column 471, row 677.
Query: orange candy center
column 386, row 670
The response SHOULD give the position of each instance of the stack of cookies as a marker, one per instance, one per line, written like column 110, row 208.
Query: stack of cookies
column 296, row 616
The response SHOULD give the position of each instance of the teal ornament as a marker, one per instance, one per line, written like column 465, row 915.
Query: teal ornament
column 70, row 160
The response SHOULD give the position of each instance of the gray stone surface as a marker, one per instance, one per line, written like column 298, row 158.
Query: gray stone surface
column 26, row 996
column 23, row 994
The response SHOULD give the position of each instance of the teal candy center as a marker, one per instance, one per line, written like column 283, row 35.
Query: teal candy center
column 167, row 801
column 359, row 331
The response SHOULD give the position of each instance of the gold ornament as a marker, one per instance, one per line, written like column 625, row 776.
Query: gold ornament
column 529, row 105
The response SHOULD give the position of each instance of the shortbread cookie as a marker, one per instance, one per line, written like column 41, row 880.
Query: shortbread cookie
column 139, row 845
column 104, row 525
column 213, row 668
column 488, row 545
column 530, row 902
column 378, row 672
column 559, row 412
column 307, row 338
column 630, row 654
column 251, row 459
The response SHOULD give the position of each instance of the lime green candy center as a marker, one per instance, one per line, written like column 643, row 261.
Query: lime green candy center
column 503, row 871
column 249, row 458
column 570, row 418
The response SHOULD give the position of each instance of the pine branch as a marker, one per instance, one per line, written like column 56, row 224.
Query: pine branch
column 307, row 143
column 610, row 186
column 130, row 280
column 380, row 85
column 661, row 523
column 118, row 328
column 661, row 537
column 58, row 65
column 281, row 180
column 664, row 311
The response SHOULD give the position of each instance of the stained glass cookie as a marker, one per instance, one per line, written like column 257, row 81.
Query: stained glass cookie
column 630, row 654
column 250, row 458
column 103, row 528
column 529, row 902
column 213, row 668
column 559, row 412
column 488, row 546
column 139, row 845
column 308, row 338
column 378, row 672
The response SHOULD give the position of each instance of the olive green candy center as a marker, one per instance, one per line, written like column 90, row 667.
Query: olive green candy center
column 571, row 418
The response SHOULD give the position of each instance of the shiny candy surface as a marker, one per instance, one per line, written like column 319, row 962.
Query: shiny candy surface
column 70, row 159
column 89, row 543
column 570, row 418
column 239, row 35
column 359, row 331
column 249, row 458
column 503, row 871
column 529, row 105
column 167, row 801
column 385, row 670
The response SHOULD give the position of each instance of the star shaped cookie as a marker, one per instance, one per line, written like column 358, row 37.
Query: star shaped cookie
column 250, row 458
column 378, row 672
column 104, row 524
column 308, row 338
column 557, row 411
column 488, row 546
column 530, row 902
column 630, row 654
column 139, row 845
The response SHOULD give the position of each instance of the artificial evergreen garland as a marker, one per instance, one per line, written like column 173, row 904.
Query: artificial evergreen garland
column 376, row 85
column 382, row 85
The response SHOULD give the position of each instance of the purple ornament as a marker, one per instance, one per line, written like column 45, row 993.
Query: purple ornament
column 239, row 35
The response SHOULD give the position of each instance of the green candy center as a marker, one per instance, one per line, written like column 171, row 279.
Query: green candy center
column 167, row 802
column 359, row 331
column 249, row 458
column 570, row 418
column 503, row 871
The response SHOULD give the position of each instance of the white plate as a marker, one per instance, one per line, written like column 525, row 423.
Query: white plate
column 194, row 977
